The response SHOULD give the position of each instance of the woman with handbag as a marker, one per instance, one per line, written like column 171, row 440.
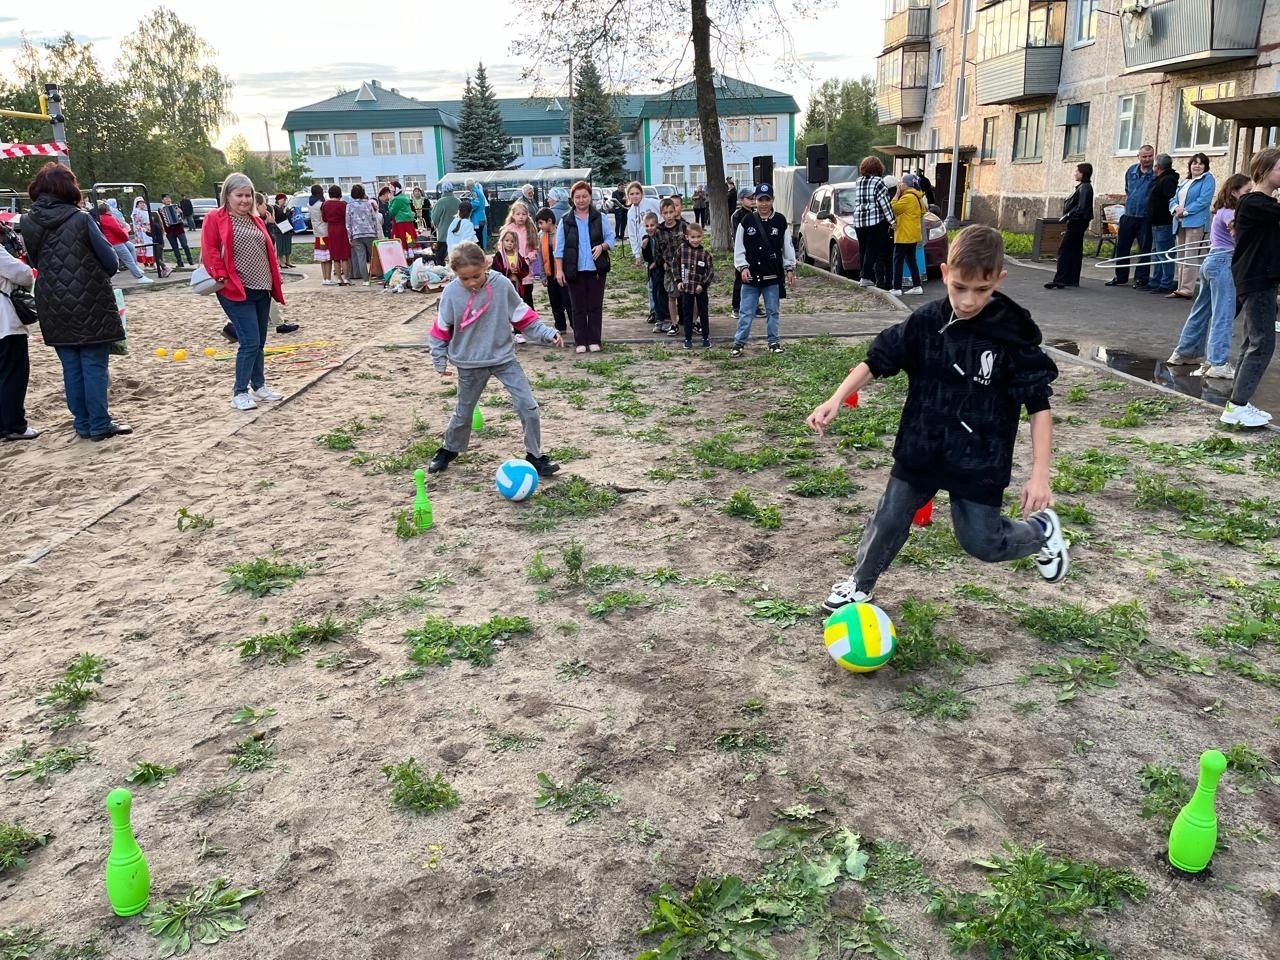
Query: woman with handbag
column 282, row 214
column 238, row 253
column 16, row 311
column 77, row 307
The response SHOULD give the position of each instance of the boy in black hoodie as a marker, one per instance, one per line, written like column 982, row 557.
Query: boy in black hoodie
column 973, row 361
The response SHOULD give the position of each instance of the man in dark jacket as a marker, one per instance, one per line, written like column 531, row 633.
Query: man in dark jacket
column 973, row 363
column 1161, row 220
column 926, row 187
column 188, row 212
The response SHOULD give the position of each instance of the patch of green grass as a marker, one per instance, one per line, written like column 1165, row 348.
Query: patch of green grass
column 781, row 613
column 812, row 482
column 40, row 766
column 151, row 774
column 1075, row 513
column 568, row 454
column 1139, row 412
column 1113, row 626
column 618, row 601
column 741, row 505
column 1077, row 394
column 663, row 576
column 255, row 752
column 416, row 791
column 1165, row 791
column 435, row 582
column 513, row 742
column 290, row 644
column 574, row 499
column 1075, row 675
column 343, row 437
column 719, row 450
column 976, row 594
column 602, row 575
column 204, row 915
column 1250, row 764
column 753, row 707
column 192, row 521
column 1250, row 671
column 736, row 740
column 406, row 527
column 1087, row 471
column 15, row 844
column 920, row 646
column 1256, row 518
column 261, row 576
column 582, row 800
column 894, row 871
column 537, row 571
column 248, row 716
column 623, row 400
column 939, row 703
column 1155, row 492
column 439, row 641
column 573, row 670
column 932, row 548
column 574, row 556
column 1030, row 899
column 77, row 685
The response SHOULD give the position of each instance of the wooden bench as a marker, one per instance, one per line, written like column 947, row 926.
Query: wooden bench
column 1108, row 221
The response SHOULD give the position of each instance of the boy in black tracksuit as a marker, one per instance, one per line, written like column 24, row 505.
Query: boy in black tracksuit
column 973, row 361
column 696, row 274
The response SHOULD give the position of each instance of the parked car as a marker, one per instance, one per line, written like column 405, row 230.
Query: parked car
column 201, row 207
column 663, row 190
column 827, row 236
column 650, row 192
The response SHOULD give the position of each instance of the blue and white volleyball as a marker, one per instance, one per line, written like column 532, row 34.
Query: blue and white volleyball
column 517, row 479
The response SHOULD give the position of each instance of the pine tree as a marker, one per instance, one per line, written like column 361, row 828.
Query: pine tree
column 597, row 139
column 482, row 145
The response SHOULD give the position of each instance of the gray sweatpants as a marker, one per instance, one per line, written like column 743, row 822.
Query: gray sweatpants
column 983, row 531
column 471, row 382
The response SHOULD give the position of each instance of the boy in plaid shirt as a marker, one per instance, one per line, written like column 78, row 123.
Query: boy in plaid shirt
column 696, row 273
column 667, row 244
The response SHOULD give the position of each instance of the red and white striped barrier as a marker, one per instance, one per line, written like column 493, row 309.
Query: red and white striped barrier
column 10, row 151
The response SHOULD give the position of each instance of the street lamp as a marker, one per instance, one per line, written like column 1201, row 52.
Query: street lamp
column 271, row 158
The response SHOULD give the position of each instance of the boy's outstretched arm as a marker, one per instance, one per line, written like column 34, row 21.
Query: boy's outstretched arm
column 1036, row 494
column 827, row 411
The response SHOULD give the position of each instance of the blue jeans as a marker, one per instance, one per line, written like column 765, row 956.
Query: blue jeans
column 124, row 252
column 84, row 378
column 751, row 295
column 1215, row 299
column 250, row 317
column 1161, row 269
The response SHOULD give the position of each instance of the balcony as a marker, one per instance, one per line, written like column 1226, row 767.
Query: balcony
column 1029, row 73
column 907, row 22
column 902, row 78
column 900, row 105
column 1019, row 54
column 1170, row 35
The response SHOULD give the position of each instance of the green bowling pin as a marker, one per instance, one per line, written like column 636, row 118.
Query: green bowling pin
column 422, row 518
column 128, row 878
column 477, row 418
column 1194, row 834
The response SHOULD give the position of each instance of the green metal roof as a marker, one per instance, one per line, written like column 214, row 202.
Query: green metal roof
column 734, row 98
column 352, row 109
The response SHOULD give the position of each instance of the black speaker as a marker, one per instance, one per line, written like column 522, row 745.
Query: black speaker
column 815, row 156
column 762, row 169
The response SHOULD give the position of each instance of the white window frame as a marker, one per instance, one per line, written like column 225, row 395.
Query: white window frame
column 516, row 145
column 313, row 140
column 1135, row 116
column 543, row 146
column 740, row 174
column 1226, row 88
column 737, row 130
column 1076, row 135
column 411, row 180
column 697, row 174
column 383, row 137
column 911, row 140
column 350, row 139
column 1086, row 20
column 757, row 122
column 674, row 175
column 987, row 153
column 938, row 67
column 630, row 144
column 405, row 149
column 346, row 183
column 1019, row 125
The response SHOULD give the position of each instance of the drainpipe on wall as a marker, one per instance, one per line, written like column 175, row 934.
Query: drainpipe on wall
column 957, row 105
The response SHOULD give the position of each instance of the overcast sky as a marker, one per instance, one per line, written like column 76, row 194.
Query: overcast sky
column 305, row 56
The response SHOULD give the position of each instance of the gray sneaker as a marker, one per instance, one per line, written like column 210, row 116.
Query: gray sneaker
column 1221, row 371
column 1053, row 560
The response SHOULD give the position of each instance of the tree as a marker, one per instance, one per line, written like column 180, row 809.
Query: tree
column 173, row 77
column 294, row 174
column 239, row 157
column 597, row 138
column 481, row 143
column 842, row 114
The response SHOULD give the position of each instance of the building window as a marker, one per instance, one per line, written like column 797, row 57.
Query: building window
column 935, row 138
column 910, row 140
column 317, row 145
column 384, row 144
column 1006, row 27
column 543, row 147
column 345, row 145
column 1129, row 110
column 411, row 180
column 939, row 67
column 1196, row 130
column 989, row 138
column 630, row 145
column 1076, row 140
column 517, row 146
column 674, row 176
column 970, row 16
column 678, row 131
column 739, row 173
column 737, row 130
column 966, row 97
column 1028, row 136
column 765, row 129
column 383, row 180
column 346, row 183
column 410, row 141
column 698, row 174
column 1086, row 22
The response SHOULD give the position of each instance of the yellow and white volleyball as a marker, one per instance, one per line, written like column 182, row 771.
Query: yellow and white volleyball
column 179, row 354
column 860, row 637
column 210, row 352
column 161, row 352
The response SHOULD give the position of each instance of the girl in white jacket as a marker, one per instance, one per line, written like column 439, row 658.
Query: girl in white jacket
column 15, row 367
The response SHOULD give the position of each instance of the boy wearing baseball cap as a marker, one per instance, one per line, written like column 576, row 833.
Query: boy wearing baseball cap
column 765, row 258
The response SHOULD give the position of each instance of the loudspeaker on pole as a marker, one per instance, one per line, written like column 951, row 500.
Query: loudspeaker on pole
column 815, row 156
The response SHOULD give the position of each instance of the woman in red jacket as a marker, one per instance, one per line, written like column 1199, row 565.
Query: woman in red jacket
column 334, row 212
column 237, row 251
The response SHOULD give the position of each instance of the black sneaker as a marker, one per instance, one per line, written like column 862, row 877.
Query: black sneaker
column 737, row 350
column 229, row 332
column 706, row 342
column 543, row 464
column 775, row 347
column 688, row 344
column 441, row 460
column 673, row 332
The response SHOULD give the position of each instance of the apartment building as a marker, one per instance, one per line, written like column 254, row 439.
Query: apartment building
column 374, row 134
column 1051, row 83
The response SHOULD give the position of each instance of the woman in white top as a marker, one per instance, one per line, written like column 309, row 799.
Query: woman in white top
column 320, row 232
column 15, row 367
column 461, row 229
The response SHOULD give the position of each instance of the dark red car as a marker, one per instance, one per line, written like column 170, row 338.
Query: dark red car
column 827, row 236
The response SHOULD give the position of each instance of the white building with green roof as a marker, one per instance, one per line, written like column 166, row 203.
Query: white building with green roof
column 374, row 134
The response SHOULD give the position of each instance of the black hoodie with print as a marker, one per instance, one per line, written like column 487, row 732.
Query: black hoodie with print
column 968, row 381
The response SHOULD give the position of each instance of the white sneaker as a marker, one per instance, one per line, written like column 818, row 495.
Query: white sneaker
column 896, row 293
column 1053, row 560
column 914, row 292
column 328, row 283
column 520, row 338
column 867, row 283
column 1244, row 415
column 265, row 393
column 1221, row 371
column 242, row 401
column 145, row 280
column 845, row 593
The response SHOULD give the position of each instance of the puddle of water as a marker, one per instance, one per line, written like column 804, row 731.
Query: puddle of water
column 1179, row 379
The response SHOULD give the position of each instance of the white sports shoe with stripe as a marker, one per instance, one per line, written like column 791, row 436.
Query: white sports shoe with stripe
column 845, row 593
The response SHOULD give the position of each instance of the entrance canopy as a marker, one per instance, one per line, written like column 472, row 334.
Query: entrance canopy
column 1250, row 114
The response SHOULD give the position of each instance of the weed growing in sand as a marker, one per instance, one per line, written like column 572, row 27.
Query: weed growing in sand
column 255, row 752
column 213, row 797
column 812, row 482
column 343, row 437
column 286, row 645
column 192, row 521
column 582, row 800
column 640, row 832
column 1250, row 671
column 76, row 687
column 663, row 576
column 618, row 601
column 1087, row 471
column 1077, row 395
column 249, row 717
column 15, row 844
column 932, row 548
column 439, row 641
column 741, row 505
column 1138, row 413
column 574, row 556
column 573, row 670
column 939, row 703
column 781, row 613
column 1155, row 492
column 513, row 742
column 414, row 790
column 537, row 571
column 261, row 576
column 1076, row 675
column 894, row 871
column 1031, row 896
column 976, row 594
column 573, row 499
column 147, row 773
column 396, row 679
column 406, row 528
column 1075, row 513
column 753, row 707
column 28, row 943
column 1251, row 765
column 39, row 767
column 718, row 451
column 204, row 915
column 736, row 740
column 920, row 645
column 1165, row 791
column 434, row 583
column 602, row 575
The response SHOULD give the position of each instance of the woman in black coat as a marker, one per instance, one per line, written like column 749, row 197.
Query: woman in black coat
column 1076, row 214
column 74, row 300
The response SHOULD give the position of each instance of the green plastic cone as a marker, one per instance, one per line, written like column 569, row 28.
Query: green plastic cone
column 477, row 418
column 128, row 877
column 422, row 518
column 1194, row 833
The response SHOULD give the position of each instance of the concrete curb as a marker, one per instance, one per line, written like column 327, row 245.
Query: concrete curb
column 896, row 305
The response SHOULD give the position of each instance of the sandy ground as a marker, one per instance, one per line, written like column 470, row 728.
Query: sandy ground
column 345, row 875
